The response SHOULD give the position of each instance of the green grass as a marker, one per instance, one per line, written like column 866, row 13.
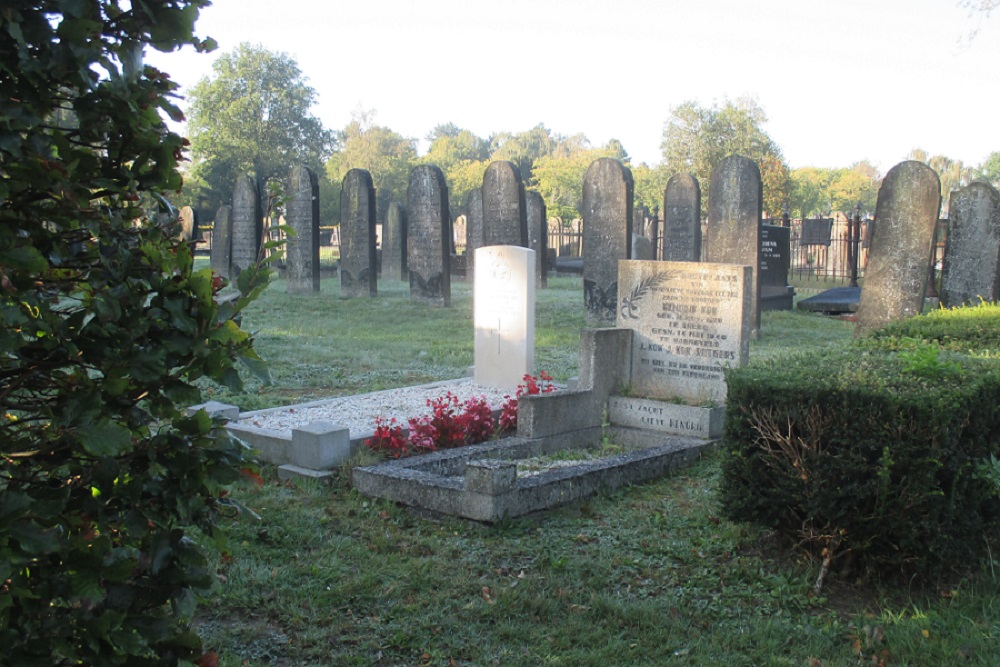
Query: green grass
column 648, row 575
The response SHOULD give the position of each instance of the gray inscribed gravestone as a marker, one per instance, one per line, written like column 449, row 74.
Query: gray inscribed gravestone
column 607, row 235
column 642, row 248
column 428, row 245
column 972, row 257
column 248, row 225
column 818, row 231
column 358, row 258
column 900, row 252
column 775, row 259
column 189, row 223
column 504, row 315
column 690, row 320
column 538, row 235
column 302, row 216
column 682, row 219
column 473, row 226
column 505, row 219
column 220, row 258
column 735, row 206
column 394, row 242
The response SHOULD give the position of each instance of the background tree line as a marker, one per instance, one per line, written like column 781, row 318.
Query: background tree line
column 253, row 115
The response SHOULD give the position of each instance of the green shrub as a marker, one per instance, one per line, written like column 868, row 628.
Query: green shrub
column 971, row 330
column 865, row 451
column 108, row 493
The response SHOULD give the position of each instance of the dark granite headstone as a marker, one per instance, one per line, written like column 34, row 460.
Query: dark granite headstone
column 358, row 257
column 394, row 243
column 428, row 246
column 302, row 216
column 972, row 257
column 248, row 225
column 607, row 236
column 473, row 228
column 505, row 220
column 735, row 206
column 538, row 235
column 221, row 255
column 682, row 219
column 775, row 259
column 189, row 223
column 816, row 231
column 900, row 253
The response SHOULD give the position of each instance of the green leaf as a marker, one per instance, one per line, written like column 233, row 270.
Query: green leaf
column 105, row 438
column 33, row 538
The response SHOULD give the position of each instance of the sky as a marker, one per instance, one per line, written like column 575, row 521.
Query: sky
column 840, row 80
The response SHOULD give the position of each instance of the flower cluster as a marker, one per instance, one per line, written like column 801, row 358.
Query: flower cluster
column 542, row 384
column 452, row 423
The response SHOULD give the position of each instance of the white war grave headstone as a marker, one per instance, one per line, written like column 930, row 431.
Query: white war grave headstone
column 504, row 315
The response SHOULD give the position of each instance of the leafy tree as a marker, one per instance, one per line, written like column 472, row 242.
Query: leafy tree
column 462, row 156
column 103, row 479
column 650, row 182
column 696, row 138
column 810, row 191
column 816, row 191
column 558, row 177
column 386, row 155
column 253, row 116
column 523, row 148
column 954, row 174
column 989, row 170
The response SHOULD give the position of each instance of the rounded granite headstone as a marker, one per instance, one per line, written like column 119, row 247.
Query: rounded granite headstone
column 358, row 259
column 607, row 235
column 428, row 249
column 505, row 219
column 394, row 242
column 538, row 235
column 735, row 207
column 220, row 258
column 972, row 257
column 899, row 255
column 302, row 249
column 248, row 225
column 682, row 219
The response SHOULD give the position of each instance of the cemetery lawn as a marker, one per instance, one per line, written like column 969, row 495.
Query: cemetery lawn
column 648, row 575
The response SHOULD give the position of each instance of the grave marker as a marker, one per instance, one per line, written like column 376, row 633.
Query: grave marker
column 394, row 243
column 735, row 206
column 972, row 257
column 538, row 235
column 607, row 235
column 689, row 320
column 473, row 227
column 220, row 258
column 358, row 256
column 302, row 216
column 505, row 219
column 775, row 259
column 189, row 223
column 248, row 225
column 900, row 252
column 682, row 219
column 504, row 315
column 429, row 236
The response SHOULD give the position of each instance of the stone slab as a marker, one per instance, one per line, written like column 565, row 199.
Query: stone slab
column 834, row 301
column 504, row 315
column 665, row 417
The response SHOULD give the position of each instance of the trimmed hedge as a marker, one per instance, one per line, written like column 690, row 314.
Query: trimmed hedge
column 873, row 449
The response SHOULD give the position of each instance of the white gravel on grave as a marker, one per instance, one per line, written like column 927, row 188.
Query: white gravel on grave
column 358, row 412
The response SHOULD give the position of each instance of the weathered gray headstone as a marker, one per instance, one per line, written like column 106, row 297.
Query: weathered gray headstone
column 682, row 219
column 817, row 231
column 899, row 256
column 538, row 235
column 972, row 257
column 607, row 235
column 302, row 216
column 775, row 259
column 222, row 242
column 428, row 247
column 642, row 248
column 473, row 227
column 248, row 225
column 394, row 243
column 690, row 320
column 504, row 315
column 505, row 220
column 189, row 223
column 735, row 207
column 358, row 256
